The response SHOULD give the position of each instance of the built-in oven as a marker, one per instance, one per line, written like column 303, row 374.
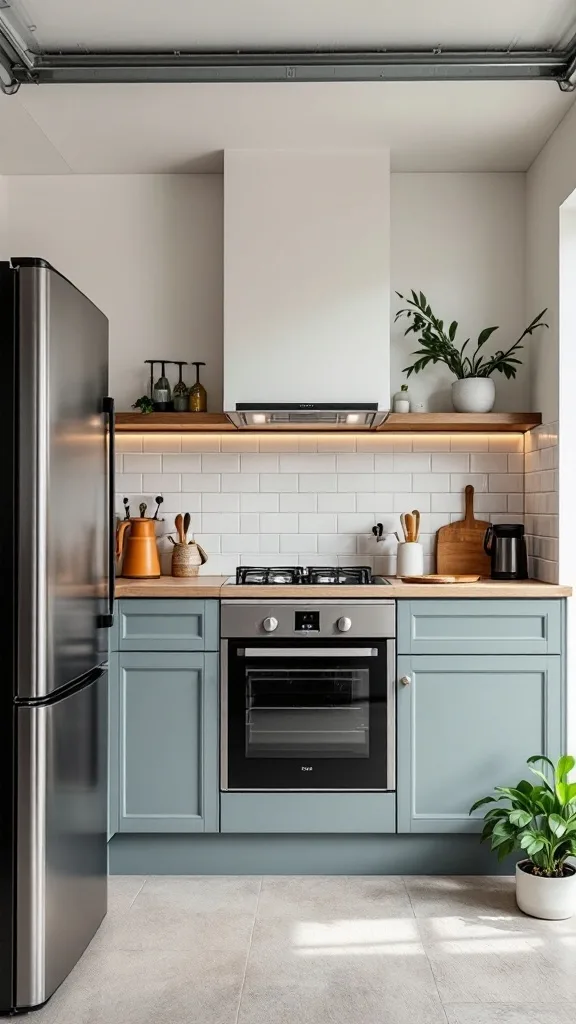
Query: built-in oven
column 308, row 695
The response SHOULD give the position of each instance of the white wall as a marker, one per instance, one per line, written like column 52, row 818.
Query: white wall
column 550, row 180
column 460, row 239
column 147, row 249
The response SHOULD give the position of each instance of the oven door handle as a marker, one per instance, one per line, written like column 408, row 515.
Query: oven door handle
column 309, row 652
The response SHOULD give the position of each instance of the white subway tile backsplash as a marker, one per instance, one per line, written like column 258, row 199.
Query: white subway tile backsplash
column 279, row 482
column 351, row 483
column 479, row 481
column 413, row 462
column 336, row 543
column 259, row 463
column 307, row 463
column 200, row 482
column 356, row 463
column 314, row 498
column 433, row 482
column 506, row 482
column 220, row 522
column 450, row 462
column 377, row 502
column 298, row 502
column 316, row 522
column 159, row 482
column 181, row 463
column 249, row 522
column 240, row 482
column 279, row 522
column 220, row 502
column 259, row 503
column 294, row 542
column 161, row 443
column 317, row 482
column 128, row 483
column 334, row 503
column 128, row 443
column 392, row 482
column 220, row 463
column 201, row 442
column 411, row 500
column 143, row 463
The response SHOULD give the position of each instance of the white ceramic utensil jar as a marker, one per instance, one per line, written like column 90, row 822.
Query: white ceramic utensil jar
column 410, row 559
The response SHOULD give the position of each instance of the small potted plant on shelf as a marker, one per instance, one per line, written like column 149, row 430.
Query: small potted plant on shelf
column 473, row 390
column 541, row 820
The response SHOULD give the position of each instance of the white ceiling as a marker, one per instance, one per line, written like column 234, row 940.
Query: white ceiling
column 123, row 129
column 250, row 24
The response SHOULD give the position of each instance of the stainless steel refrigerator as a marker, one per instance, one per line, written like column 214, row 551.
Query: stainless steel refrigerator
column 56, row 594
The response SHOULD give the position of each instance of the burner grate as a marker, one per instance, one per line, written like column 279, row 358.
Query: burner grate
column 296, row 574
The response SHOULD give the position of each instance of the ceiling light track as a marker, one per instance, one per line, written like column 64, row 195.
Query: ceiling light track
column 309, row 66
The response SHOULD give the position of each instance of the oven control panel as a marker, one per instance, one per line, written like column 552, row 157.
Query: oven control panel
column 368, row 619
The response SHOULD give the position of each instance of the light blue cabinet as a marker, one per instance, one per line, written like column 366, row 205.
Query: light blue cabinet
column 467, row 724
column 481, row 626
column 167, row 712
column 167, row 624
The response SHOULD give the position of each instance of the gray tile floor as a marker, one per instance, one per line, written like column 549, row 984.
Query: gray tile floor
column 320, row 950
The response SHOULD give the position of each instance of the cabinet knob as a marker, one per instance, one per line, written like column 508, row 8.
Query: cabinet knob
column 405, row 680
column 270, row 624
column 344, row 624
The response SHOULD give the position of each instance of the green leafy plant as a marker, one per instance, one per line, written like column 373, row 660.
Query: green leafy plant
column 539, row 819
column 144, row 403
column 438, row 344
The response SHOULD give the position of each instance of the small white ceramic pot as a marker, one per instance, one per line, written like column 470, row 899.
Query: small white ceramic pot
column 551, row 899
column 474, row 394
column 410, row 559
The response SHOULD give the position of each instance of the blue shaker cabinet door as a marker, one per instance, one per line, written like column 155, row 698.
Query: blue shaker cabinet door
column 168, row 714
column 113, row 743
column 485, row 626
column 467, row 724
column 167, row 624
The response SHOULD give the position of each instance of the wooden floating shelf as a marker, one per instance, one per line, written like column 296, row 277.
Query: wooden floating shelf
column 398, row 423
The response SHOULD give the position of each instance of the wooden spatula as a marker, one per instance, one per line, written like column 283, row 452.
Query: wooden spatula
column 460, row 546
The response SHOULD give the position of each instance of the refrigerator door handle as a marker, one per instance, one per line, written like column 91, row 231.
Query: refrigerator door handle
column 106, row 621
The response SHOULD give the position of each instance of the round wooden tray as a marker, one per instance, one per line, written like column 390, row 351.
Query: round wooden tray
column 439, row 579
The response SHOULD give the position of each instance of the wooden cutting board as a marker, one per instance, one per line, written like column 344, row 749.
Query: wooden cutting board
column 460, row 546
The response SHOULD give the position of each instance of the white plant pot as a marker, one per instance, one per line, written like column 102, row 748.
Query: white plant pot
column 551, row 899
column 473, row 394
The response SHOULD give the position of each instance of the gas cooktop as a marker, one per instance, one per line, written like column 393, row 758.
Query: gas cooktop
column 308, row 575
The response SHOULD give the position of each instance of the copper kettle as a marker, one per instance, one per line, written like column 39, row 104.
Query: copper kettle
column 141, row 561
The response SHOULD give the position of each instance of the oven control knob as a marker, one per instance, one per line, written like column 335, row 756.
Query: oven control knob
column 344, row 624
column 270, row 624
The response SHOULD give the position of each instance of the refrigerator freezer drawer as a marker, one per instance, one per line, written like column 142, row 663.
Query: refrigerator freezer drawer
column 61, row 835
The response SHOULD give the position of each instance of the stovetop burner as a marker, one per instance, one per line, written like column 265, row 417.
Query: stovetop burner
column 305, row 575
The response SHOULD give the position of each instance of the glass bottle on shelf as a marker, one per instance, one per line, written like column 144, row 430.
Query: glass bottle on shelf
column 198, row 398
column 401, row 400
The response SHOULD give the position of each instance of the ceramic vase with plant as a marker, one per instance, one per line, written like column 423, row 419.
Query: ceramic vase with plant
column 539, row 819
column 473, row 390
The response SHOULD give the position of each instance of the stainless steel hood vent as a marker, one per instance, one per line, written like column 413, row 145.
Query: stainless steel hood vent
column 307, row 416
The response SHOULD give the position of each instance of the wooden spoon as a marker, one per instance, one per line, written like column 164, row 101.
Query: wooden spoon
column 186, row 526
column 179, row 528
column 403, row 524
column 416, row 515
column 410, row 527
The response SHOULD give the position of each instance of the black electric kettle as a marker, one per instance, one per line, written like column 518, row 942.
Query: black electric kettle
column 505, row 544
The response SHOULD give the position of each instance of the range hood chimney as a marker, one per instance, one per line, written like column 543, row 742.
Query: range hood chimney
column 306, row 289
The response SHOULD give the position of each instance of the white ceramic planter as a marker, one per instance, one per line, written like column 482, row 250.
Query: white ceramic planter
column 551, row 899
column 473, row 394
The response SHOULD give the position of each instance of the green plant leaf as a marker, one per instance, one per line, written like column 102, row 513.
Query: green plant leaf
column 564, row 767
column 485, row 334
column 535, row 847
column 480, row 803
column 452, row 330
column 520, row 818
column 543, row 777
column 498, row 838
column 563, row 793
column 557, row 825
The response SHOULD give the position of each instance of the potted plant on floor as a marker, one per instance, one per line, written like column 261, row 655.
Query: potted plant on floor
column 541, row 820
column 473, row 390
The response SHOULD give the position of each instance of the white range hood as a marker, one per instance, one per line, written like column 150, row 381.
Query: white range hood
column 306, row 289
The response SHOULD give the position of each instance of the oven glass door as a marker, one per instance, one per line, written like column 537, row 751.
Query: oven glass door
column 310, row 715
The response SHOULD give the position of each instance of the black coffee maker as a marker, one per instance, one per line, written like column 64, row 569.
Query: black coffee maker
column 505, row 544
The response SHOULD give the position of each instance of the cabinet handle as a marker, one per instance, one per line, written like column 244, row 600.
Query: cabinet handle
column 405, row 680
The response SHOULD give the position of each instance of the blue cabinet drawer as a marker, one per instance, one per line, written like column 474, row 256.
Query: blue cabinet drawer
column 308, row 812
column 480, row 626
column 167, row 624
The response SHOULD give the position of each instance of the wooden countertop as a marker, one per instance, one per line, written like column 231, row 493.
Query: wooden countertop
column 216, row 586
